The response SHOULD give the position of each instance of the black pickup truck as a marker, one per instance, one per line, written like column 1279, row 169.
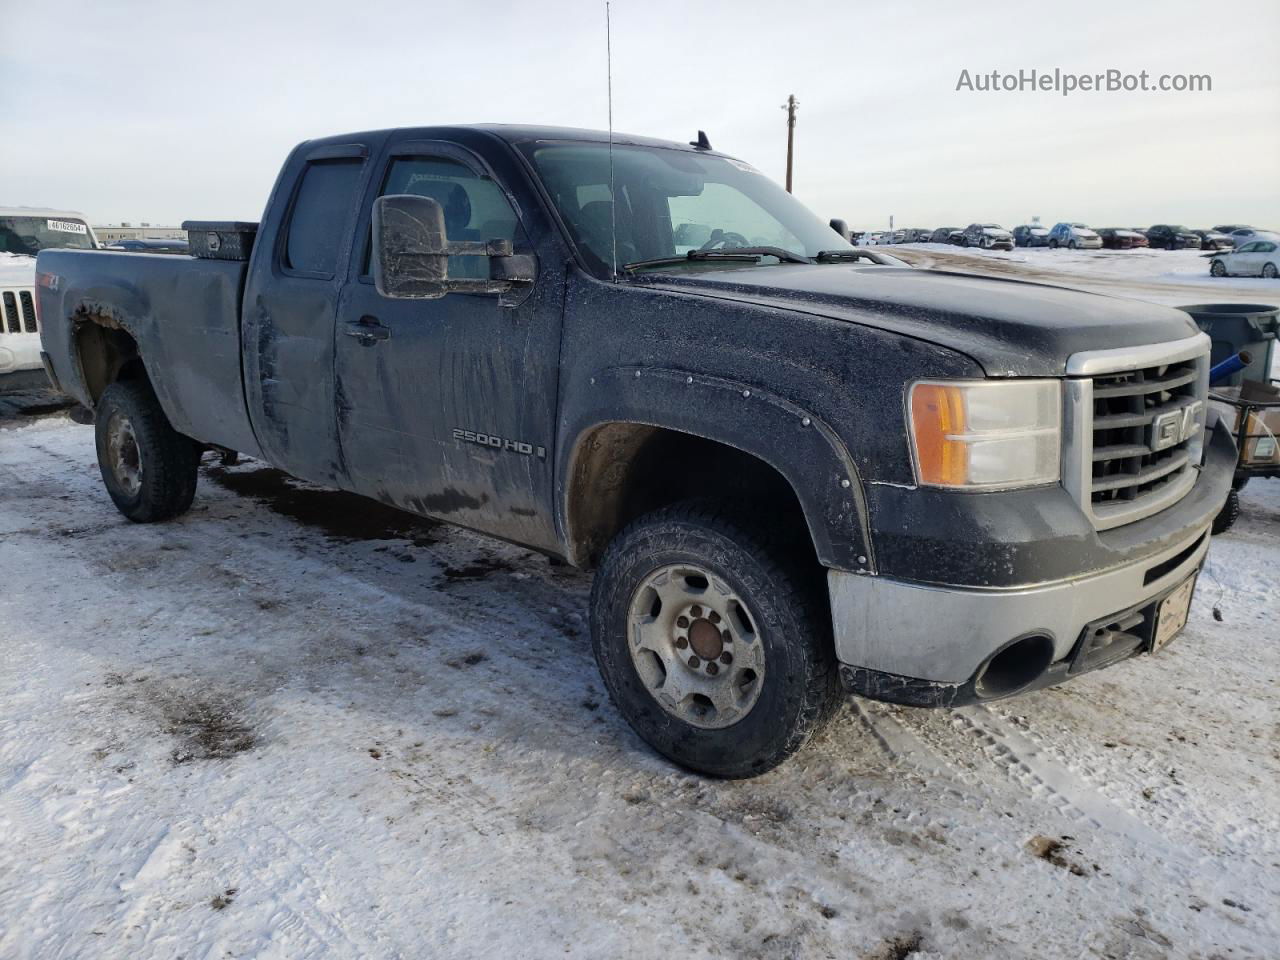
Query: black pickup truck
column 798, row 468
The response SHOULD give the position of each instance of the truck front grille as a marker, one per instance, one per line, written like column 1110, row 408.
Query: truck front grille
column 18, row 312
column 1137, row 425
column 1126, row 407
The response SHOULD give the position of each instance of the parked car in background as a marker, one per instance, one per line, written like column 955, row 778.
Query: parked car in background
column 1074, row 236
column 1030, row 235
column 988, row 236
column 1242, row 235
column 1121, row 238
column 872, row 238
column 1258, row 258
column 894, row 236
column 1230, row 228
column 1213, row 240
column 917, row 235
column 944, row 234
column 1166, row 236
column 152, row 246
column 24, row 232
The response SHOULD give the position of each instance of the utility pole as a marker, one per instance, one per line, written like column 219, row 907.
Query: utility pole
column 790, row 107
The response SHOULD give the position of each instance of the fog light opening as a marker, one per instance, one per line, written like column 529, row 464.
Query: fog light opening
column 1015, row 667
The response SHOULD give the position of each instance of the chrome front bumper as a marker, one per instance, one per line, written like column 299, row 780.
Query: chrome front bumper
column 945, row 634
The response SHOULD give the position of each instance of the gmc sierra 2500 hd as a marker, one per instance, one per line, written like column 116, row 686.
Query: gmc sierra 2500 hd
column 795, row 466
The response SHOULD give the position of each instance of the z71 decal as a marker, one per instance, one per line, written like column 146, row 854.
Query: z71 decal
column 500, row 443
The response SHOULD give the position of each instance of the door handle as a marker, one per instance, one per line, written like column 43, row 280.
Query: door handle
column 367, row 330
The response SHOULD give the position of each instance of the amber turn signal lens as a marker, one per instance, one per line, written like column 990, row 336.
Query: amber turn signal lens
column 937, row 418
column 986, row 434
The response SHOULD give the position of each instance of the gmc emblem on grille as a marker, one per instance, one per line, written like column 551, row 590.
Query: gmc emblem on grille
column 1170, row 429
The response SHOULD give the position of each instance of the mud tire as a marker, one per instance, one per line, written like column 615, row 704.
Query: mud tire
column 162, row 482
column 785, row 595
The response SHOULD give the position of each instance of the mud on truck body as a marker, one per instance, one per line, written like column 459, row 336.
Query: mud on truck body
column 798, row 469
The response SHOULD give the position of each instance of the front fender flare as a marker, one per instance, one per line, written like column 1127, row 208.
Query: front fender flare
column 795, row 442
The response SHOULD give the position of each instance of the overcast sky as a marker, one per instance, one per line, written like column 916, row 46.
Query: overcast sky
column 171, row 110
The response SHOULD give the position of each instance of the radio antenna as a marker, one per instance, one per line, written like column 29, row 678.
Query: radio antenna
column 613, row 197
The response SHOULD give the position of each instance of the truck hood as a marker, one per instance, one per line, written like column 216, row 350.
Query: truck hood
column 1012, row 328
column 17, row 270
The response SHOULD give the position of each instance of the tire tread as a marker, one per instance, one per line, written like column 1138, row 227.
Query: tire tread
column 170, row 459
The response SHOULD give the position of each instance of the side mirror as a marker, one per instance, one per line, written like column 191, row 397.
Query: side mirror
column 842, row 228
column 410, row 258
column 411, row 254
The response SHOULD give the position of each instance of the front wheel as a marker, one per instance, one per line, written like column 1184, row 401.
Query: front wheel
column 1218, row 269
column 1228, row 515
column 714, row 644
column 148, row 467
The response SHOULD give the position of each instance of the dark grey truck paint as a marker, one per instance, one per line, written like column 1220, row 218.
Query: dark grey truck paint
column 552, row 418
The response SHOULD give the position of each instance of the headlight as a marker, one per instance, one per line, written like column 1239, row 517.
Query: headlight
column 986, row 434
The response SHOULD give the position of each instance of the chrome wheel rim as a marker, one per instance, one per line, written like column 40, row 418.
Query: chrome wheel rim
column 123, row 455
column 695, row 646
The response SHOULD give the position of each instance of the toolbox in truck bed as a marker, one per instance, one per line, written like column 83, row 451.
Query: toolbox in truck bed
column 220, row 239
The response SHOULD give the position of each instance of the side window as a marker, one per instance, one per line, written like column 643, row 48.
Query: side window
column 475, row 207
column 1266, row 248
column 1248, row 248
column 319, row 220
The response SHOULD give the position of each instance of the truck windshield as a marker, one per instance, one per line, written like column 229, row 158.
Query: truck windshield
column 30, row 235
column 672, row 202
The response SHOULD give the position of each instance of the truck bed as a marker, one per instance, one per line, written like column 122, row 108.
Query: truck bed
column 184, row 314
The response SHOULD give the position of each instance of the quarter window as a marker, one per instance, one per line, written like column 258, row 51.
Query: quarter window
column 319, row 220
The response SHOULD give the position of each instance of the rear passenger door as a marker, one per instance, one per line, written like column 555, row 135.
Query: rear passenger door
column 290, row 305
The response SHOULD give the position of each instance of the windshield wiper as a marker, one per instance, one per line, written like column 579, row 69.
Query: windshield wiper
column 744, row 254
column 849, row 256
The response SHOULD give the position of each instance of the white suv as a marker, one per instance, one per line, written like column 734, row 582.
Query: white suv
column 24, row 232
column 1074, row 236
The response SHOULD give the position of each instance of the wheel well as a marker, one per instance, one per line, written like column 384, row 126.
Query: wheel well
column 623, row 470
column 107, row 354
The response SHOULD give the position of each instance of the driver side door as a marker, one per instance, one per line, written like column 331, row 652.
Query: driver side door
column 446, row 407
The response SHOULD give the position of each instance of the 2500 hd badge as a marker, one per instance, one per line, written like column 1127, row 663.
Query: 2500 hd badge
column 499, row 443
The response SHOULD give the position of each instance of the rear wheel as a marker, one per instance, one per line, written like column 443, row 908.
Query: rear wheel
column 714, row 643
column 148, row 467
column 1269, row 271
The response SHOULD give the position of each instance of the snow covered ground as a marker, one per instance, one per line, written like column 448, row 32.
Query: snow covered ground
column 1175, row 277
column 295, row 724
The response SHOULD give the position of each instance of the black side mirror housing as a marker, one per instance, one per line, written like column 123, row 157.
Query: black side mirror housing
column 410, row 258
column 411, row 252
column 842, row 228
